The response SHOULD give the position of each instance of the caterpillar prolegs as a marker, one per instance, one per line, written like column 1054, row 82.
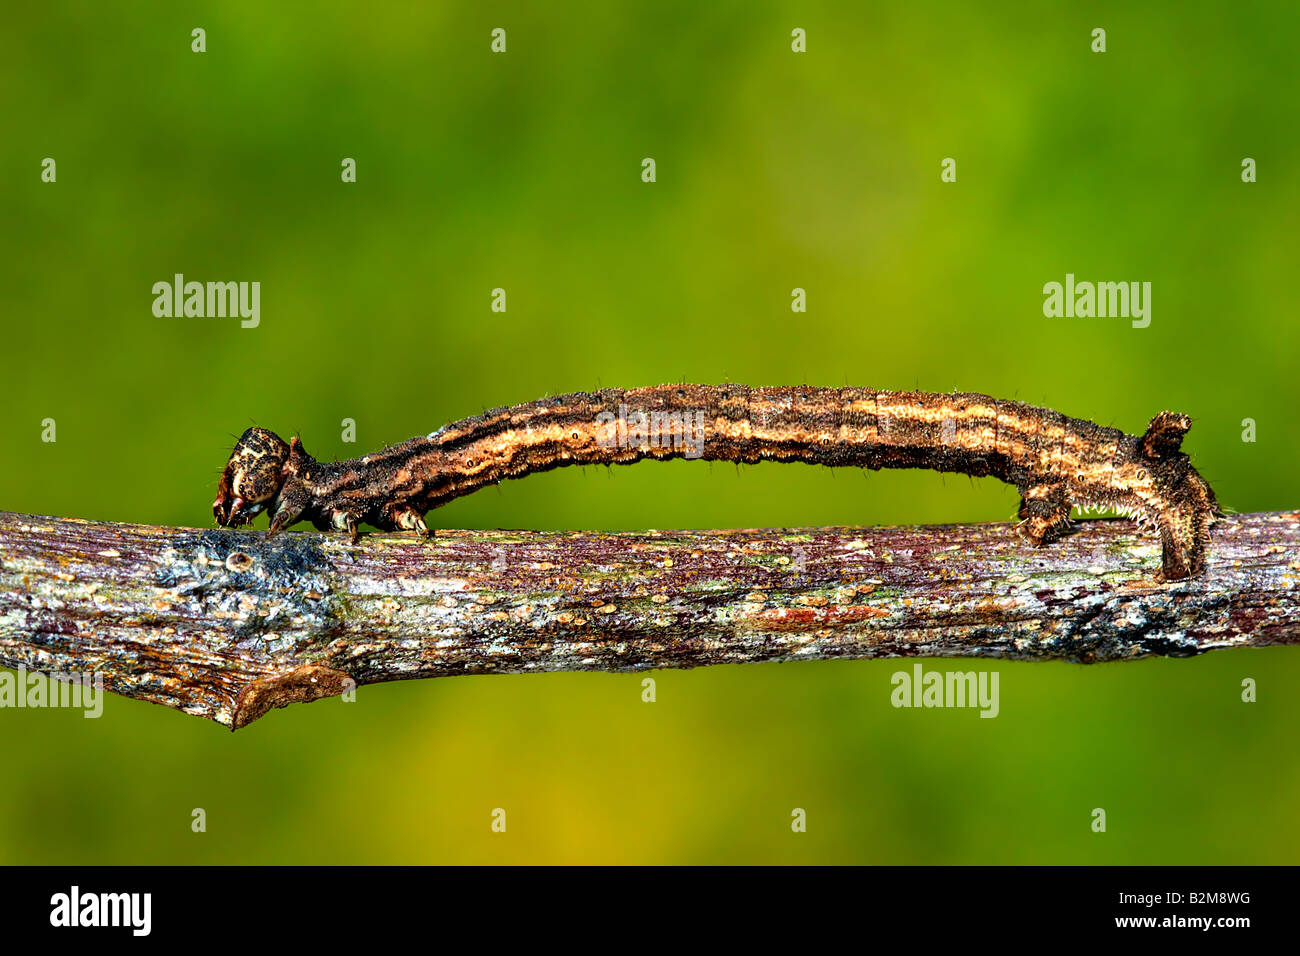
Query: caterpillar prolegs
column 1054, row 461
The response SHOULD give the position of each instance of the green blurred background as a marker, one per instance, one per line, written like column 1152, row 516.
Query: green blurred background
column 776, row 170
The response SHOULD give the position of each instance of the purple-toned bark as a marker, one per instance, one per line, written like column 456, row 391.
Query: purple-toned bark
column 228, row 624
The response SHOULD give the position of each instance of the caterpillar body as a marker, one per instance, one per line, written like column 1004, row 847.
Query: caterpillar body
column 1055, row 462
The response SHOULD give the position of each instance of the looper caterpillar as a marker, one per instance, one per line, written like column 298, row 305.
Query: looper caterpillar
column 1054, row 461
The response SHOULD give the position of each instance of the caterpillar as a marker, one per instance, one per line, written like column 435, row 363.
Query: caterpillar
column 1054, row 461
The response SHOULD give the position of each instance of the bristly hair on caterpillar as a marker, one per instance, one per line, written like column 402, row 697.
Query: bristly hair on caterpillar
column 1054, row 461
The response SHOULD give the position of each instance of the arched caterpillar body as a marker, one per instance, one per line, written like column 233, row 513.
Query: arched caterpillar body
column 1054, row 461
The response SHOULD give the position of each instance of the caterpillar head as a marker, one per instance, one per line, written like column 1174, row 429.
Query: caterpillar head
column 252, row 478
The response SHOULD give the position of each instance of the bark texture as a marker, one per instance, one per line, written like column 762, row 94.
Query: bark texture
column 230, row 624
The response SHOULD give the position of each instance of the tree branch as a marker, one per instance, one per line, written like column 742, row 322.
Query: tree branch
column 228, row 624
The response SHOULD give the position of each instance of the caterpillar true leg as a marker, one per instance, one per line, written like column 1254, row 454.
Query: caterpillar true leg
column 405, row 518
column 344, row 521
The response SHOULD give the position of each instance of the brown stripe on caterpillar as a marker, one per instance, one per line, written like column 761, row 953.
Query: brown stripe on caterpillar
column 1054, row 461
